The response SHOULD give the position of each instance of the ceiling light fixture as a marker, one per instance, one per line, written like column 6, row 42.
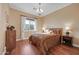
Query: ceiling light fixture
column 39, row 10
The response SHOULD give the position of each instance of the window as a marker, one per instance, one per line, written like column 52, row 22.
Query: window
column 28, row 24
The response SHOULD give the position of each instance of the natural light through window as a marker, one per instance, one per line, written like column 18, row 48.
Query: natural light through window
column 29, row 24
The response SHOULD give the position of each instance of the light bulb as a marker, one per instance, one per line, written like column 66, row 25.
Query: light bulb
column 39, row 10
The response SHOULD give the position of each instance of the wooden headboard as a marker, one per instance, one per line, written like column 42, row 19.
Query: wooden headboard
column 57, row 30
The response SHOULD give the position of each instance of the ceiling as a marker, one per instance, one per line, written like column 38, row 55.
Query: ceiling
column 47, row 7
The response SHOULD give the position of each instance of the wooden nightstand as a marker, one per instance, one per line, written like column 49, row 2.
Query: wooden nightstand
column 67, row 40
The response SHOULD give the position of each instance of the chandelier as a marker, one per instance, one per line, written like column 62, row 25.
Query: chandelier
column 38, row 9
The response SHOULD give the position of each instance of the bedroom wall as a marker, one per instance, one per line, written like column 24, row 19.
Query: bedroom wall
column 4, row 12
column 15, row 20
column 68, row 16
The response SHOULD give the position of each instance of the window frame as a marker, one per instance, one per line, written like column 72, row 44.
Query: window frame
column 31, row 19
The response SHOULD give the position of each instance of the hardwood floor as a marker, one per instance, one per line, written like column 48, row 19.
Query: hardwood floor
column 64, row 50
column 23, row 47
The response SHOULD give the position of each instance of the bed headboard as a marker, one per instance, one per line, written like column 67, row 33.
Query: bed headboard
column 57, row 30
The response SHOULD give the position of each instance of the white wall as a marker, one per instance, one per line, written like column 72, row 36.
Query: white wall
column 15, row 20
column 3, row 12
column 68, row 16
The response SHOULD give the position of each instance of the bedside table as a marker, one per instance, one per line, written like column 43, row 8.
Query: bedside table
column 67, row 40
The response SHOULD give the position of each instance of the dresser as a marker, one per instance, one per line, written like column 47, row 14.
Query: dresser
column 67, row 40
column 10, row 40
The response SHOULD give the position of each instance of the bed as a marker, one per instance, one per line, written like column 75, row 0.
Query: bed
column 44, row 41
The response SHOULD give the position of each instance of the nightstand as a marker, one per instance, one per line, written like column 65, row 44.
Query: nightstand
column 67, row 40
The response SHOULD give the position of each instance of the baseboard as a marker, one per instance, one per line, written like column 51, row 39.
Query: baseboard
column 22, row 39
column 18, row 39
column 4, row 51
column 75, row 45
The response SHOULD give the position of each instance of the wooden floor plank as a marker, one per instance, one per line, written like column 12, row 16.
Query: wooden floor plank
column 64, row 50
column 23, row 47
